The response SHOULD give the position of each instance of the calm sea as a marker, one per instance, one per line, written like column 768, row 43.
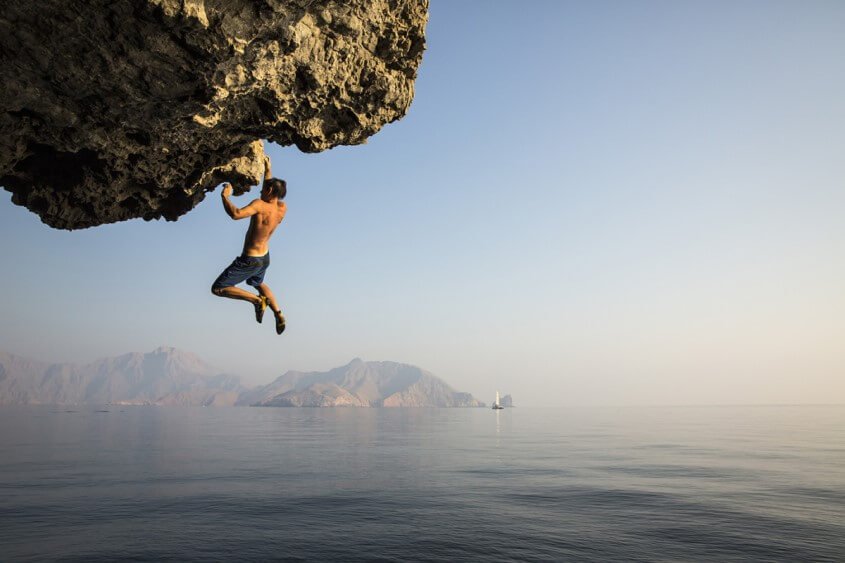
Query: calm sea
column 670, row 483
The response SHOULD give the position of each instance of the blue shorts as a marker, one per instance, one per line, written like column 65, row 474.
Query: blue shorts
column 249, row 268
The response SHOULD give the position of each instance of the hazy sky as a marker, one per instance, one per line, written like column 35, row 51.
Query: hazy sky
column 588, row 202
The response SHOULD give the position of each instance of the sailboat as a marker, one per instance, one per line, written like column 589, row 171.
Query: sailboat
column 496, row 405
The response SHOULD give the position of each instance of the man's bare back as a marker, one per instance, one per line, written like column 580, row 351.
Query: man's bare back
column 262, row 225
column 264, row 214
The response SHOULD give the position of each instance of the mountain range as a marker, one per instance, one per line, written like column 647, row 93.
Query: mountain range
column 168, row 376
column 165, row 376
column 359, row 384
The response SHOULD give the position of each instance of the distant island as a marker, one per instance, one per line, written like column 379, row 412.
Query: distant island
column 168, row 376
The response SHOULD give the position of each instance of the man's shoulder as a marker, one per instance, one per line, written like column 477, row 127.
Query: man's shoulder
column 268, row 208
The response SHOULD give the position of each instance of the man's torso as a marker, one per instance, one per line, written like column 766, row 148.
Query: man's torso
column 261, row 227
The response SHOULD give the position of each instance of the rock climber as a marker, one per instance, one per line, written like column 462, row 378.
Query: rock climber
column 265, row 214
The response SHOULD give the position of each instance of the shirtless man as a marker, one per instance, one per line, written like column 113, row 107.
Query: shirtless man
column 265, row 215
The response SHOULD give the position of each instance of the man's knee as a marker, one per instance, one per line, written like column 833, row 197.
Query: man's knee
column 217, row 290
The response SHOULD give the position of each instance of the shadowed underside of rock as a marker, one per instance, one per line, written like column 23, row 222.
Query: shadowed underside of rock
column 120, row 109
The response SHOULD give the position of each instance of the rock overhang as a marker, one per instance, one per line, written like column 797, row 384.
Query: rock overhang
column 114, row 110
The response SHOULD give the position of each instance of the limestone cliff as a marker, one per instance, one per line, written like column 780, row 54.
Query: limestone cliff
column 120, row 109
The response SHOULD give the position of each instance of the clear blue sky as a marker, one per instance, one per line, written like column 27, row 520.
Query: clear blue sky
column 588, row 202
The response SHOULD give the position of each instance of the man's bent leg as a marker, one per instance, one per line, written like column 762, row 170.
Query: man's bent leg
column 264, row 290
column 233, row 292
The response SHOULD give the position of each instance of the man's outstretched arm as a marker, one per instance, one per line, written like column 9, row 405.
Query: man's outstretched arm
column 232, row 210
column 267, row 174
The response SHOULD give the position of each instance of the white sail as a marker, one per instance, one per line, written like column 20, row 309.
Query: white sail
column 496, row 405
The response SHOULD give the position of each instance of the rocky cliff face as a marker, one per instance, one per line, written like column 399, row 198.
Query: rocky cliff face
column 360, row 384
column 119, row 109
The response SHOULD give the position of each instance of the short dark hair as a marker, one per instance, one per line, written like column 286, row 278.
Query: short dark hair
column 279, row 188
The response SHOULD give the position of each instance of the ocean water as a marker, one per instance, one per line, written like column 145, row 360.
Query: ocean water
column 603, row 484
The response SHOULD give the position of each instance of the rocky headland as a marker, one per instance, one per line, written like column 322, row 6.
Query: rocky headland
column 360, row 384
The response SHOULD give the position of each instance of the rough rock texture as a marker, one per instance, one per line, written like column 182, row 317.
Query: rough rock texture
column 117, row 109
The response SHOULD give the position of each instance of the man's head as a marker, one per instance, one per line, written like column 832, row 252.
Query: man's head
column 275, row 187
